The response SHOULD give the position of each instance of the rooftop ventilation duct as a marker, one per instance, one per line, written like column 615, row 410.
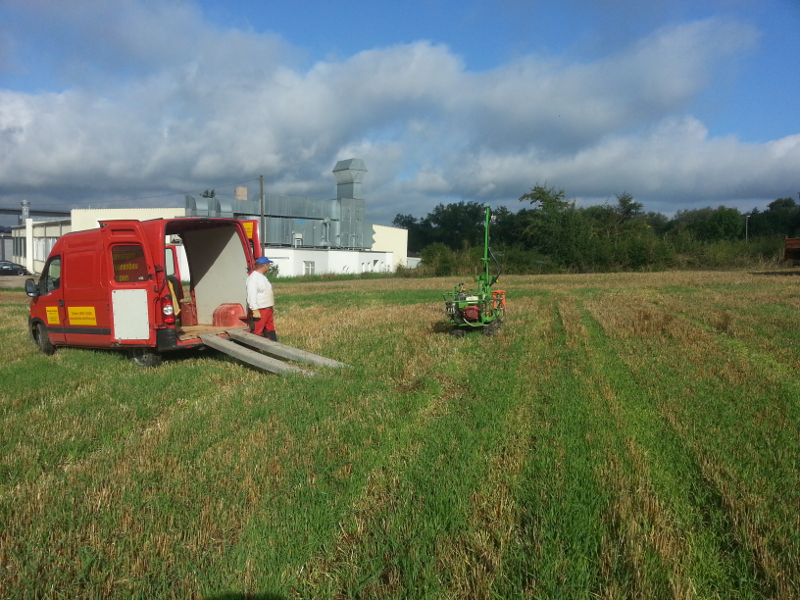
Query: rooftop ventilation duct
column 349, row 177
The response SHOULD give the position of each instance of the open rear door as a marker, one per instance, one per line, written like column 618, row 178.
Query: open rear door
column 132, row 276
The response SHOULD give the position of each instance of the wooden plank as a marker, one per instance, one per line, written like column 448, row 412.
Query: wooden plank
column 251, row 357
column 282, row 350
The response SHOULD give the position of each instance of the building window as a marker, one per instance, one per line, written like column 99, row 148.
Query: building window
column 19, row 247
column 308, row 267
column 42, row 247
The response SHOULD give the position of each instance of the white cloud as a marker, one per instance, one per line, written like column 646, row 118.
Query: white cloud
column 163, row 100
column 673, row 162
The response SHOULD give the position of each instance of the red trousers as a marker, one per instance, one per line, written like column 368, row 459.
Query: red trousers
column 265, row 323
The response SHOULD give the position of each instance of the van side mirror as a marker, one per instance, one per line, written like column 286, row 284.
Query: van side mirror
column 31, row 288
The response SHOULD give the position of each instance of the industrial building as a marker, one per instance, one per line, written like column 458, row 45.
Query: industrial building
column 301, row 235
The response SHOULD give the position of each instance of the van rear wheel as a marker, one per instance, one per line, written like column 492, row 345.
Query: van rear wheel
column 145, row 357
column 42, row 340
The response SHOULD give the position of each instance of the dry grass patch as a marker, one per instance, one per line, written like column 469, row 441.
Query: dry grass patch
column 571, row 320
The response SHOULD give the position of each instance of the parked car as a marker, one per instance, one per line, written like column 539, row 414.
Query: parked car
column 10, row 268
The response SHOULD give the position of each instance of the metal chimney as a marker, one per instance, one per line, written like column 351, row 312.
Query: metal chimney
column 26, row 212
column 349, row 176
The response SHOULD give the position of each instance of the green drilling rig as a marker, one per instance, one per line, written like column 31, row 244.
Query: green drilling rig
column 480, row 308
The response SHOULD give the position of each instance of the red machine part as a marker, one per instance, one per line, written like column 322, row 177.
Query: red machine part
column 499, row 299
column 229, row 315
column 471, row 313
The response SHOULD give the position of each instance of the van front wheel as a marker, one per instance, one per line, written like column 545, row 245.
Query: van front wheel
column 42, row 339
column 145, row 357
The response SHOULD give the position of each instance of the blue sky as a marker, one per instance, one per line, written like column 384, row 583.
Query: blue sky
column 684, row 104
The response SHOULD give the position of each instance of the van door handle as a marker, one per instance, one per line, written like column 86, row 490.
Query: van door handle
column 61, row 303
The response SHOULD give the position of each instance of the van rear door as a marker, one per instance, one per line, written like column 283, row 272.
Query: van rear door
column 132, row 278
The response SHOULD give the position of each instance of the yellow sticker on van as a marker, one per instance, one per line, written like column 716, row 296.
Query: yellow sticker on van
column 248, row 230
column 52, row 315
column 82, row 315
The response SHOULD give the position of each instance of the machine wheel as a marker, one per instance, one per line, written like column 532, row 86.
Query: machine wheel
column 145, row 357
column 491, row 328
column 457, row 332
column 42, row 340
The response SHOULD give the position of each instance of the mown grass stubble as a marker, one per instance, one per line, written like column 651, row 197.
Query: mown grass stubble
column 627, row 435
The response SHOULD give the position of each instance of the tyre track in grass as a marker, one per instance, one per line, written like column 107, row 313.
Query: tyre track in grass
column 351, row 562
column 476, row 563
column 660, row 545
column 410, row 387
column 286, row 545
column 760, row 494
column 697, row 385
column 636, row 542
column 416, row 516
column 559, row 530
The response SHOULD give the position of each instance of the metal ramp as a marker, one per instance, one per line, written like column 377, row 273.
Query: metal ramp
column 261, row 361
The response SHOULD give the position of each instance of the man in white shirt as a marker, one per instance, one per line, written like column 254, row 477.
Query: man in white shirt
column 260, row 300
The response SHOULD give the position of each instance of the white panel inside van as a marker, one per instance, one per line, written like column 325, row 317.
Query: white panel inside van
column 218, row 266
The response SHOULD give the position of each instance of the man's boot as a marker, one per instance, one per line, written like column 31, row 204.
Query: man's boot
column 271, row 335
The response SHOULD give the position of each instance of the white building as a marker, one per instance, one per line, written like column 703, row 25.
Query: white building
column 34, row 240
column 302, row 236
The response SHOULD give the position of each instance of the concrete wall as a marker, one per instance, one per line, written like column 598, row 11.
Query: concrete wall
column 293, row 262
column 394, row 240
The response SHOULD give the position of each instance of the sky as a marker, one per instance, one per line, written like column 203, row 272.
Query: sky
column 118, row 103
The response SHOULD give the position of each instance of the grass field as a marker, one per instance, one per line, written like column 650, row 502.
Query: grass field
column 623, row 436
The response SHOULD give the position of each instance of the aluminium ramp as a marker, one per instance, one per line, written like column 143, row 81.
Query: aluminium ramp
column 282, row 350
column 251, row 357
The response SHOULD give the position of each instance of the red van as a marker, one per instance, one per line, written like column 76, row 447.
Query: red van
column 120, row 286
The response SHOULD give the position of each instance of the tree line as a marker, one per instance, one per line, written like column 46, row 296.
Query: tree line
column 553, row 234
